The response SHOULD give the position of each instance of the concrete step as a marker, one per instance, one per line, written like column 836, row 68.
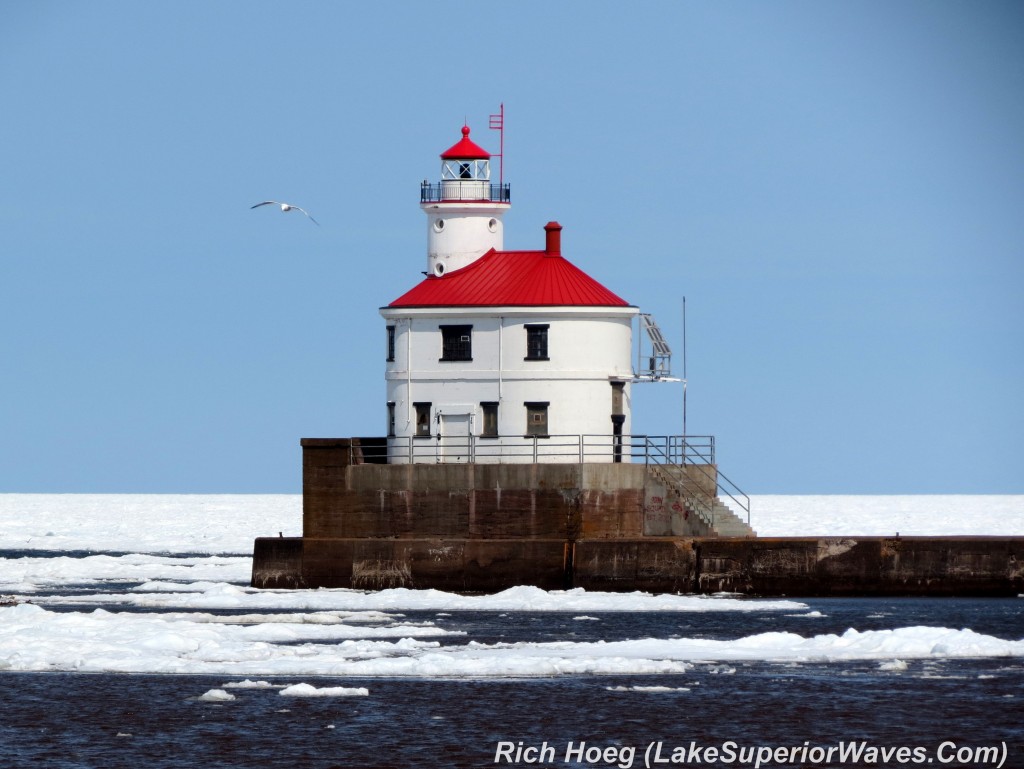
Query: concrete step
column 728, row 524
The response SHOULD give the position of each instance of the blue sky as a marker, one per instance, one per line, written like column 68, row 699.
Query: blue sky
column 836, row 188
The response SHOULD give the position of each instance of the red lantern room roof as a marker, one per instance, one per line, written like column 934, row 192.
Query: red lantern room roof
column 465, row 149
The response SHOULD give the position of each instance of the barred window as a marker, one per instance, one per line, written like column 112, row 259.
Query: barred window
column 536, row 342
column 391, row 343
column 456, row 343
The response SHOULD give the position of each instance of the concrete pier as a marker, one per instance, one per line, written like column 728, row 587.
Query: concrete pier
column 792, row 566
column 479, row 528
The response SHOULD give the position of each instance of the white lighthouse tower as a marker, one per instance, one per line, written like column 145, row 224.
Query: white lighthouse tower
column 502, row 356
column 464, row 210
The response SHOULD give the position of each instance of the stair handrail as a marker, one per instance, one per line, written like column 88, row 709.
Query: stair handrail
column 723, row 484
column 676, row 474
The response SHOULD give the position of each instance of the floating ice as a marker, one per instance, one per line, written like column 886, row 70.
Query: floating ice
column 307, row 690
column 30, row 572
column 190, row 613
column 893, row 665
column 654, row 689
column 146, row 523
column 33, row 638
column 217, row 695
column 228, row 523
column 863, row 515
column 524, row 598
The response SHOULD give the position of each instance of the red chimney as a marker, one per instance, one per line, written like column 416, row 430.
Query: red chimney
column 553, row 245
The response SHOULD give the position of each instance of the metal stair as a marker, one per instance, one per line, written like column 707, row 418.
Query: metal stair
column 657, row 364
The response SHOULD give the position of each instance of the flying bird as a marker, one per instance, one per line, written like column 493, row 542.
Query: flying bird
column 286, row 207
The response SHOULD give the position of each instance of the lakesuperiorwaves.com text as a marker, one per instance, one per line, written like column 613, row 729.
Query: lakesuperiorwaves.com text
column 730, row 753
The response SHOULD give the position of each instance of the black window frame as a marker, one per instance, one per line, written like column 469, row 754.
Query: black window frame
column 422, row 425
column 537, row 407
column 391, row 419
column 391, row 344
column 489, row 421
column 537, row 341
column 456, row 343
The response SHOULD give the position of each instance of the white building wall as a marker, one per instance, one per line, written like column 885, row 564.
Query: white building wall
column 588, row 348
column 460, row 233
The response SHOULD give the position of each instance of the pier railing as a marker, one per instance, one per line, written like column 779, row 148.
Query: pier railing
column 670, row 449
column 687, row 462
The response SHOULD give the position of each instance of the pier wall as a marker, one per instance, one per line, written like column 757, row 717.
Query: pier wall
column 812, row 566
column 345, row 498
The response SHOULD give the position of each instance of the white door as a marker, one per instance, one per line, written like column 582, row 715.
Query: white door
column 455, row 439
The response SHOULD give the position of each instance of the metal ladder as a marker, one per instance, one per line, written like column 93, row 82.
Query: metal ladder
column 659, row 360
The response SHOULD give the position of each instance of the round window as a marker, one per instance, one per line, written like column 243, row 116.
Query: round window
column 493, row 225
column 439, row 269
column 438, row 225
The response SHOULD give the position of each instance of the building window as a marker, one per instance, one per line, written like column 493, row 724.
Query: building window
column 391, row 343
column 536, row 418
column 422, row 419
column 536, row 342
column 391, row 419
column 456, row 343
column 490, row 428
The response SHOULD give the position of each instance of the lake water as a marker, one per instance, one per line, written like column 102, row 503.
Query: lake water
column 65, row 719
column 135, row 642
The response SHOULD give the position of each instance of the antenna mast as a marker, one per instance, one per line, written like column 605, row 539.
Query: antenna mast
column 684, row 380
column 498, row 124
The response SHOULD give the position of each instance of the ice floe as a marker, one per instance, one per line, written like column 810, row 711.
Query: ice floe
column 34, row 638
column 169, row 574
column 29, row 573
column 217, row 695
column 522, row 598
column 308, row 690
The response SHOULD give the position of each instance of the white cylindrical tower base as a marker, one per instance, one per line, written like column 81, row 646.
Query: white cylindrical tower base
column 459, row 233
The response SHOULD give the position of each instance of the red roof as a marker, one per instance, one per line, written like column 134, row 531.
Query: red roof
column 465, row 149
column 512, row 279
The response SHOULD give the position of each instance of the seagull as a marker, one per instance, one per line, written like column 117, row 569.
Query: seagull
column 286, row 207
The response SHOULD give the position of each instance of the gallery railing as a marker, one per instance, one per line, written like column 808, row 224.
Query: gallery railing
column 472, row 190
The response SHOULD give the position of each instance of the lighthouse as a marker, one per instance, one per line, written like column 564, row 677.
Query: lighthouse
column 508, row 457
column 502, row 355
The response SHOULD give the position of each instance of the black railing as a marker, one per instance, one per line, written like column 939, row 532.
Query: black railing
column 469, row 190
